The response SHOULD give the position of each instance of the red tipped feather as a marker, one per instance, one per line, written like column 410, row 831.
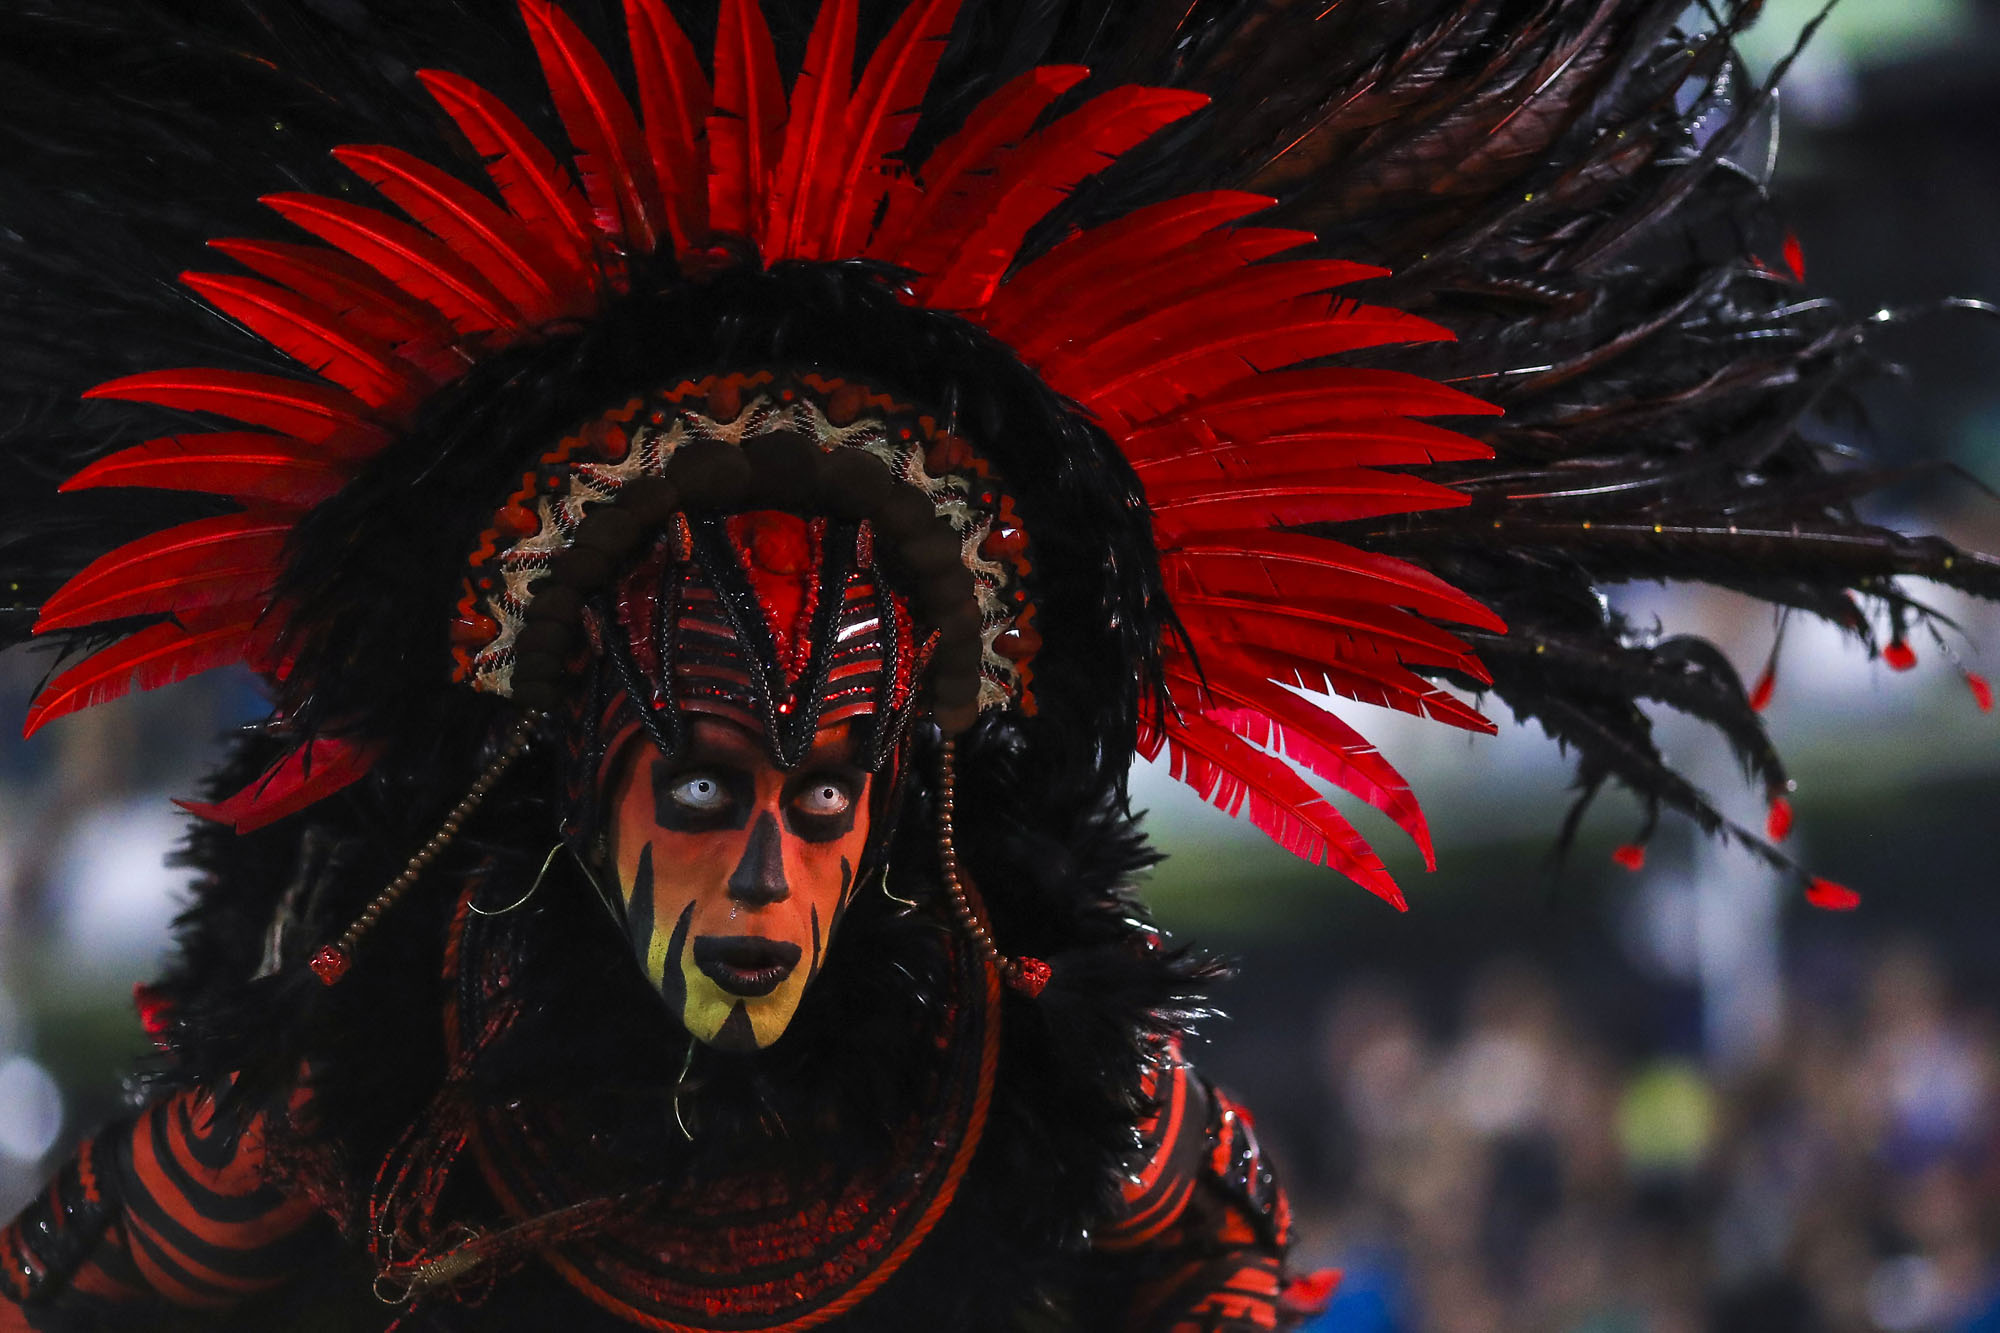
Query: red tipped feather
column 243, row 465
column 809, row 167
column 155, row 656
column 880, row 117
column 1040, row 175
column 413, row 260
column 315, row 413
column 611, row 154
column 304, row 777
column 314, row 337
column 1899, row 656
column 924, row 226
column 1295, row 564
column 535, row 187
column 1236, row 777
column 674, row 99
column 359, row 296
column 1631, row 856
column 205, row 563
column 748, row 120
column 531, row 276
column 1831, row 897
column 1982, row 690
column 1778, row 820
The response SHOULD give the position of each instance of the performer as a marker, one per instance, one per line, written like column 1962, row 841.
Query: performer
column 716, row 534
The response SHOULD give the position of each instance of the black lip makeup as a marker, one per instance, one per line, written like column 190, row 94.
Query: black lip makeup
column 745, row 965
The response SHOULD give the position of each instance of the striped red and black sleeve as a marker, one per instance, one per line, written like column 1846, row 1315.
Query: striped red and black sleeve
column 167, row 1209
column 1204, row 1205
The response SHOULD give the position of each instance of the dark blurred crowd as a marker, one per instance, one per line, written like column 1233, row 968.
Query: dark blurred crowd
column 1514, row 1172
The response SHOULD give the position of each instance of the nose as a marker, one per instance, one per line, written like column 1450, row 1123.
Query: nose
column 759, row 878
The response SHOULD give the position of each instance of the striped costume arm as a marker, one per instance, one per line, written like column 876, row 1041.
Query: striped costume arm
column 1205, row 1208
column 165, row 1210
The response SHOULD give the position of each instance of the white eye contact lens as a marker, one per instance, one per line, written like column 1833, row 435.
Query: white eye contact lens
column 825, row 799
column 699, row 793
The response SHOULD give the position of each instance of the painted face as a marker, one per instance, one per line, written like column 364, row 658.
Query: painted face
column 733, row 872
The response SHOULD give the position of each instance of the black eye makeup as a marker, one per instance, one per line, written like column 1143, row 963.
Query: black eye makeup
column 700, row 798
column 820, row 806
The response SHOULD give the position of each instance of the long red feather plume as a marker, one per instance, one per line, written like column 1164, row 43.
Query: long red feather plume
column 205, row 563
column 359, row 296
column 1236, row 777
column 316, row 338
column 923, row 225
column 674, row 101
column 413, row 260
column 808, row 167
column 746, row 121
column 155, row 656
column 1040, row 176
column 306, row 776
column 242, row 465
column 1332, row 495
column 1291, row 562
column 1273, row 717
column 530, row 275
column 611, row 155
column 880, row 117
column 315, row 413
column 534, row 186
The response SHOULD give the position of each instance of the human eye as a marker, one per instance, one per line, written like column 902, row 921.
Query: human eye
column 824, row 796
column 702, row 793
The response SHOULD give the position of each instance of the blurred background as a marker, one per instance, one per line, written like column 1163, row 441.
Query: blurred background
column 1575, row 1098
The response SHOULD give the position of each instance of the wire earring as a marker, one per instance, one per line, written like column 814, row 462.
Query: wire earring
column 910, row 903
column 522, row 901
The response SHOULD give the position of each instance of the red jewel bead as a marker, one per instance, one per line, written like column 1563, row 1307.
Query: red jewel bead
column 330, row 964
column 1030, row 976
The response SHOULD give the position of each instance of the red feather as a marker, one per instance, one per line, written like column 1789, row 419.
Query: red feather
column 923, row 227
column 1292, row 563
column 1039, row 177
column 1277, row 719
column 155, row 656
column 205, row 563
column 1287, row 400
column 539, row 283
column 1982, row 690
column 747, row 121
column 1236, row 777
column 1379, row 683
column 611, row 154
column 801, row 193
column 1153, row 230
column 673, row 95
column 306, row 776
column 1184, row 457
column 1331, row 495
column 881, row 115
column 243, row 465
column 413, row 260
column 362, row 300
column 313, row 336
column 316, row 413
column 535, row 187
column 1128, row 293
column 1331, row 631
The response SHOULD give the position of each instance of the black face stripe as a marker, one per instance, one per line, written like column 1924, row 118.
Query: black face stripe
column 639, row 904
column 813, row 971
column 846, row 879
column 759, row 878
column 674, row 984
column 739, row 791
column 737, row 1033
